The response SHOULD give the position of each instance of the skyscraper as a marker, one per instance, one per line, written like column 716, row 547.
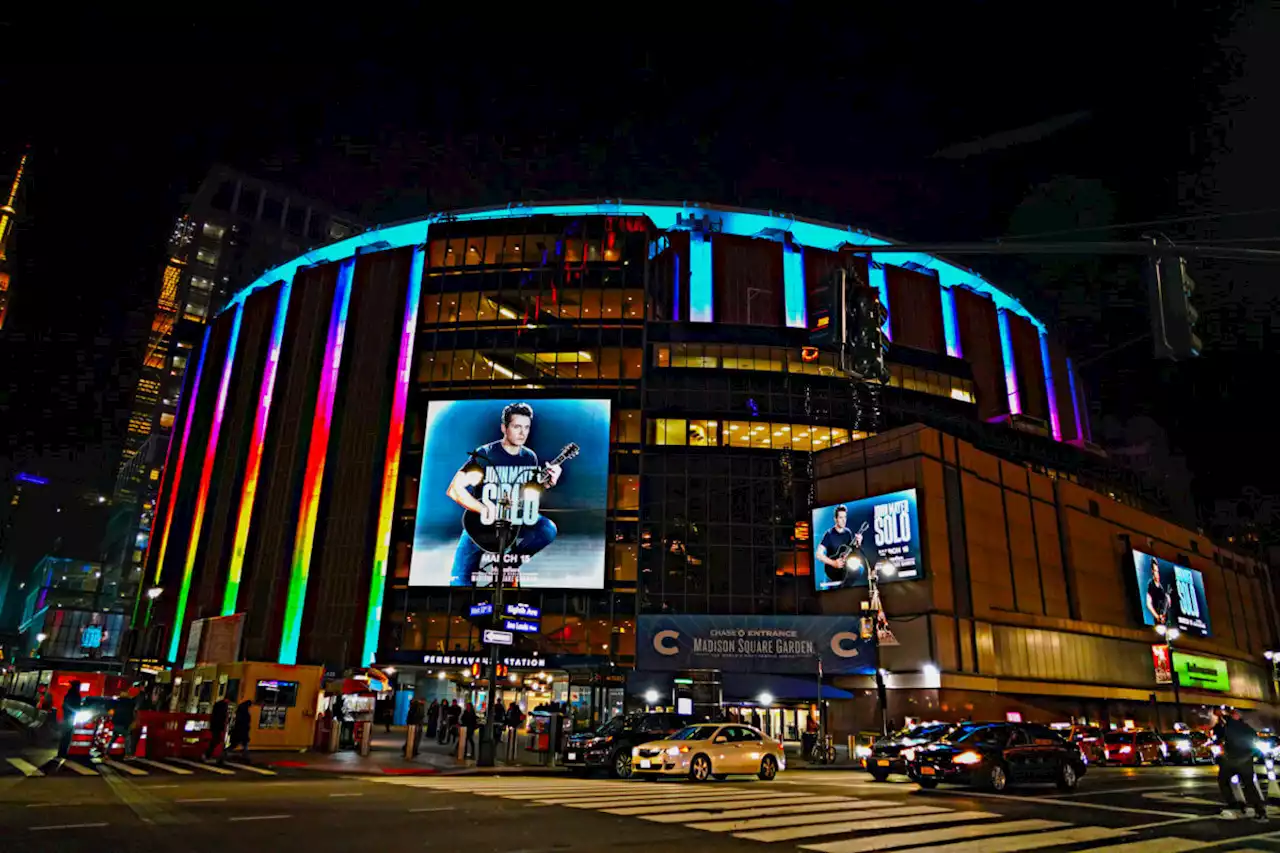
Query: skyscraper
column 233, row 228
column 8, row 213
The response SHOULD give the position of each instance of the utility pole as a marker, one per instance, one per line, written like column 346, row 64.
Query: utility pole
column 486, row 751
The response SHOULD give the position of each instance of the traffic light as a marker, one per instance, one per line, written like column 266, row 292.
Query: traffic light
column 476, row 669
column 867, row 340
column 503, row 669
column 827, row 319
column 1173, row 317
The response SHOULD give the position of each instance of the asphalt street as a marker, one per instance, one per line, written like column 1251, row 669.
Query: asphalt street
column 158, row 808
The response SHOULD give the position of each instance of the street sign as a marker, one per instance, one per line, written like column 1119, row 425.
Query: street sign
column 498, row 638
column 522, row 611
column 484, row 608
column 520, row 625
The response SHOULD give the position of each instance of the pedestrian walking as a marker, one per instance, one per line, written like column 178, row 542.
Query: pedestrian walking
column 415, row 719
column 70, row 704
column 515, row 718
column 469, row 722
column 455, row 717
column 1238, row 739
column 433, row 718
column 240, row 730
column 123, row 721
column 217, row 729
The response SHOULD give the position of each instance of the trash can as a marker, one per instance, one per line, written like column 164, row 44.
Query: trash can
column 410, row 735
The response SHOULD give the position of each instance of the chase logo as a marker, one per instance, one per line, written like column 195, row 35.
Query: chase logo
column 664, row 643
column 845, row 644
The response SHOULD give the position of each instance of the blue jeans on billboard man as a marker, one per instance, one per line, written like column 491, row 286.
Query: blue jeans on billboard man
column 531, row 539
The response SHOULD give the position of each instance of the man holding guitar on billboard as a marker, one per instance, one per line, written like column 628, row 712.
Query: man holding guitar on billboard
column 503, row 478
column 840, row 550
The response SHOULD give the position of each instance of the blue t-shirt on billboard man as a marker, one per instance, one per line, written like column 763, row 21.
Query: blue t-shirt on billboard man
column 498, row 475
column 841, row 550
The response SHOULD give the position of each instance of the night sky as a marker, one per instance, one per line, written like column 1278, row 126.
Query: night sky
column 929, row 122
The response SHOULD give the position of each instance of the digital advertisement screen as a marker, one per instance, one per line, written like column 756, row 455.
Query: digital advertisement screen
column 852, row 537
column 541, row 465
column 1172, row 595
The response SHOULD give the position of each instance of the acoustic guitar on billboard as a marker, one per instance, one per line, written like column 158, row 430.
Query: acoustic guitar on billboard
column 486, row 535
column 853, row 561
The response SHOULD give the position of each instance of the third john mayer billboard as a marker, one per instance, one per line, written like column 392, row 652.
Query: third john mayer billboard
column 854, row 537
column 1171, row 595
column 517, row 484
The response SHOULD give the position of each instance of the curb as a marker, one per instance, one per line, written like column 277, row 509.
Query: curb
column 349, row 770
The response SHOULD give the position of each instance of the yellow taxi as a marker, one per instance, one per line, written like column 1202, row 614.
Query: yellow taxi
column 710, row 751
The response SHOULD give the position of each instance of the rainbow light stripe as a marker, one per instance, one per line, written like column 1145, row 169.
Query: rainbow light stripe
column 1010, row 367
column 1075, row 400
column 950, row 327
column 793, row 286
column 313, row 479
column 701, row 308
column 1050, row 389
column 253, row 465
column 182, row 456
column 206, row 476
column 391, row 467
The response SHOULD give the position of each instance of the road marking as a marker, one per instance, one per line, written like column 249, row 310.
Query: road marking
column 51, row 805
column 1176, row 798
column 659, row 806
column 125, row 768
column 1105, row 791
column 735, row 811
column 795, row 832
column 160, row 765
column 347, row 794
column 812, row 819
column 158, row 787
column 212, row 768
column 1074, row 804
column 260, row 817
column 253, row 768
column 77, row 767
column 434, row 809
column 67, row 826
column 911, row 839
column 202, row 800
column 26, row 768
column 1152, row 845
column 1018, row 843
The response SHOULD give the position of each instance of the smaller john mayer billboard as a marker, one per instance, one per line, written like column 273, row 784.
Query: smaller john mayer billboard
column 764, row 644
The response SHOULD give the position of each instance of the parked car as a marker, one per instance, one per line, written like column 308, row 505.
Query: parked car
column 1187, row 747
column 892, row 754
column 999, row 755
column 608, row 748
column 710, row 750
column 1134, row 748
column 1089, row 739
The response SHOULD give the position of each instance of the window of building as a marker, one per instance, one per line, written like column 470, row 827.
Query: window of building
column 213, row 232
column 757, row 435
column 166, row 422
column 201, row 284
column 224, row 195
column 295, row 219
column 207, row 255
column 247, row 206
column 624, row 493
column 273, row 210
column 339, row 230
column 626, row 427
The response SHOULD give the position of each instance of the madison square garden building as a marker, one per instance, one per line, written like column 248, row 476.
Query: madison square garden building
column 629, row 388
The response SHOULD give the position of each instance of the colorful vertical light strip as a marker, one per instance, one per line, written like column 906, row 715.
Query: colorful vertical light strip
column 1010, row 367
column 793, row 285
column 313, row 478
column 700, row 299
column 194, row 394
column 1075, row 400
column 675, row 311
column 206, row 477
column 877, row 276
column 391, row 467
column 950, row 328
column 253, row 464
column 1050, row 389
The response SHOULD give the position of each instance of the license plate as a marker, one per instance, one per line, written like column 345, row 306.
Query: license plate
column 573, row 756
column 644, row 764
column 883, row 762
column 927, row 771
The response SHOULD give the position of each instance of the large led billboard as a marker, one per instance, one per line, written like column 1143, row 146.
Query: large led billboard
column 853, row 537
column 1172, row 595
column 541, row 466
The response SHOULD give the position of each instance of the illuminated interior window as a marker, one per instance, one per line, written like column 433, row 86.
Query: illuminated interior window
column 756, row 435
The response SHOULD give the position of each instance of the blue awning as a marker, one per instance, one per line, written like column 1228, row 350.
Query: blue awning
column 747, row 687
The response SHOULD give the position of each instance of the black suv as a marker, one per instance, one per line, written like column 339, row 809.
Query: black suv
column 609, row 746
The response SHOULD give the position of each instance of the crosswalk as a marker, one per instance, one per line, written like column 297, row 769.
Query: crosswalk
column 823, row 822
column 133, row 768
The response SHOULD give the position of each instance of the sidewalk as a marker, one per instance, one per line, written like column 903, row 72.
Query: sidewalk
column 386, row 757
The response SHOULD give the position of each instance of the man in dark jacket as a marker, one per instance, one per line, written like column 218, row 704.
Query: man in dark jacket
column 1237, row 762
column 416, row 718
column 240, row 730
column 70, row 704
column 217, row 729
column 470, row 722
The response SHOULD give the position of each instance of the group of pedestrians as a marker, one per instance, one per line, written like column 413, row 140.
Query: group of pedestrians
column 448, row 721
column 219, row 744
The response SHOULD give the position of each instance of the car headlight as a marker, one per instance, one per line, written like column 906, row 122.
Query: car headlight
column 862, row 750
column 1184, row 745
column 82, row 717
column 673, row 750
column 635, row 752
column 969, row 757
column 1262, row 746
column 909, row 754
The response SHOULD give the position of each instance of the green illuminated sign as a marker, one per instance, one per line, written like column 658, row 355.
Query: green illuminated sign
column 1201, row 673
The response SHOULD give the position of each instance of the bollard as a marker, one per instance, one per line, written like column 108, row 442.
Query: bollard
column 462, row 743
column 853, row 749
column 410, row 733
column 364, row 735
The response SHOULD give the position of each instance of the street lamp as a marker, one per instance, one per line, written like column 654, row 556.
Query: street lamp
column 651, row 697
column 1171, row 634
